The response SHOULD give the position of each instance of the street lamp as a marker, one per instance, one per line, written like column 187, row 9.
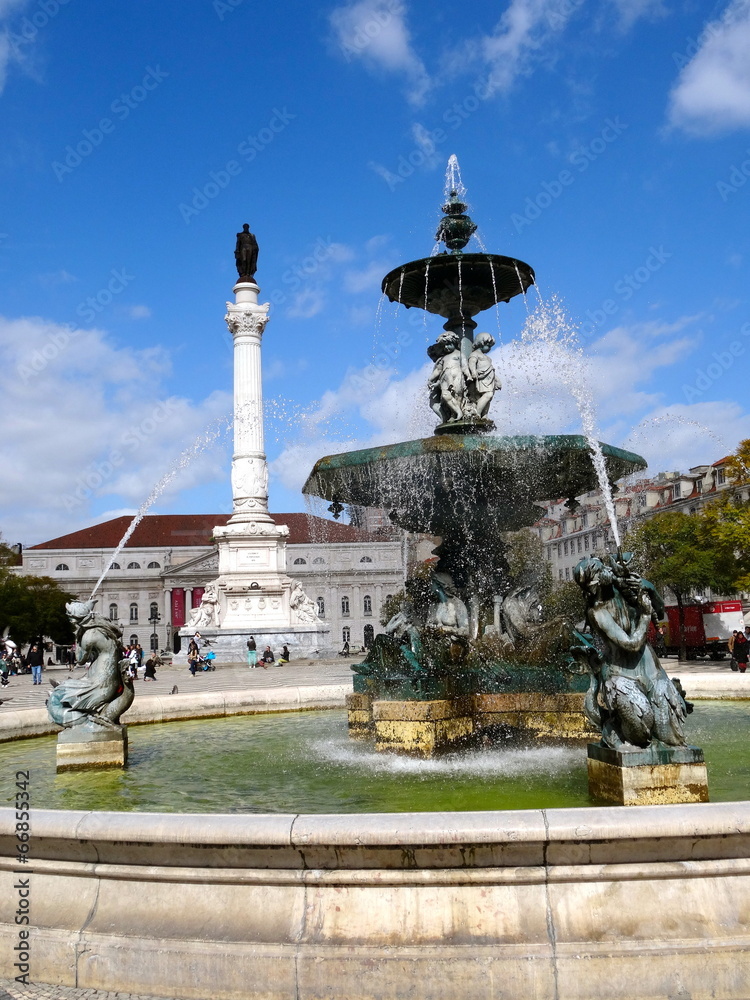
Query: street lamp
column 154, row 620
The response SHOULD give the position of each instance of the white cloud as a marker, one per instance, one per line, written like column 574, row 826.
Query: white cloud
column 84, row 420
column 375, row 31
column 307, row 303
column 712, row 93
column 138, row 312
column 622, row 371
column 631, row 11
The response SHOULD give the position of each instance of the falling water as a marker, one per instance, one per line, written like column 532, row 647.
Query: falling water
column 214, row 431
column 549, row 325
column 523, row 290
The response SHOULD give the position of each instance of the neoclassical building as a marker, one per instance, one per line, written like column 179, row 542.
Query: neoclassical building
column 160, row 574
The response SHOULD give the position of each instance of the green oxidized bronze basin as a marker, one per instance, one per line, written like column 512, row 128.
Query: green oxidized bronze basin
column 435, row 483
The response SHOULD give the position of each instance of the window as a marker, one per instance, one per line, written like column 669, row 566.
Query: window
column 584, row 520
column 153, row 611
column 559, row 574
column 345, row 606
column 720, row 477
column 580, row 543
column 369, row 636
column 586, row 543
column 134, row 612
column 346, row 633
column 321, row 606
column 113, row 612
column 300, row 562
column 565, row 548
column 133, row 639
column 563, row 527
column 677, row 491
column 642, row 500
column 567, row 572
column 115, row 566
column 367, row 602
column 154, row 565
column 365, row 559
column 134, row 565
column 559, row 550
column 61, row 567
column 318, row 561
column 549, row 552
column 699, row 485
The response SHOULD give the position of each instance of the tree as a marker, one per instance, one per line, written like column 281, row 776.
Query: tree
column 33, row 606
column 726, row 529
column 738, row 466
column 673, row 550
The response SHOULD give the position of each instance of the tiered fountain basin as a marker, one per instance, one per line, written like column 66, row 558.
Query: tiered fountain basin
column 437, row 482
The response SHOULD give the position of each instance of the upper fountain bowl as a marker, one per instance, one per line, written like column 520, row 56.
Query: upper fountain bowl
column 458, row 284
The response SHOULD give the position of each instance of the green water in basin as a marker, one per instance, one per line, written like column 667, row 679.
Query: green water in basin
column 305, row 763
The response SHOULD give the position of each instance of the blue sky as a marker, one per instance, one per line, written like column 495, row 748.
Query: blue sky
column 606, row 142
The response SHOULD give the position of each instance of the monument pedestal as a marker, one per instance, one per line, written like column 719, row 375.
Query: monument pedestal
column 80, row 748
column 658, row 775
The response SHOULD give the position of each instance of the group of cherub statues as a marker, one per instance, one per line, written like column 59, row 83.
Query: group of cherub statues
column 461, row 388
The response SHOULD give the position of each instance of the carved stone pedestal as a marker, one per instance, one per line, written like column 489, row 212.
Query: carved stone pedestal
column 80, row 748
column 554, row 716
column 656, row 776
column 420, row 727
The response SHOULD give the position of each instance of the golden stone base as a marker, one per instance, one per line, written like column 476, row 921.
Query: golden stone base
column 424, row 727
column 420, row 727
column 618, row 777
column 78, row 750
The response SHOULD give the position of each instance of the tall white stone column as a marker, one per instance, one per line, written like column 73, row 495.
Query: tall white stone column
column 246, row 320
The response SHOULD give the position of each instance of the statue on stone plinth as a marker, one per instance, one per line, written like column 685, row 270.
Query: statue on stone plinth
column 206, row 615
column 631, row 698
column 304, row 609
column 246, row 253
column 481, row 380
column 98, row 699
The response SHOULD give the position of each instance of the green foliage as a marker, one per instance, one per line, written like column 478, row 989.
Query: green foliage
column 31, row 606
column 726, row 531
column 564, row 601
column 674, row 550
column 738, row 466
column 526, row 561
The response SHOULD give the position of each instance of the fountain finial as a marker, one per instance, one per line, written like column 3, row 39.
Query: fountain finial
column 457, row 228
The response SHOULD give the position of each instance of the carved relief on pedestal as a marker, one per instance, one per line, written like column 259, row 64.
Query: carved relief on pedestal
column 250, row 483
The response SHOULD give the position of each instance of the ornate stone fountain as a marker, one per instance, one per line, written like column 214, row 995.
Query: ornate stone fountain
column 438, row 672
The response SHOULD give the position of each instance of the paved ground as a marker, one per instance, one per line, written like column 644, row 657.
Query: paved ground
column 10, row 990
column 20, row 693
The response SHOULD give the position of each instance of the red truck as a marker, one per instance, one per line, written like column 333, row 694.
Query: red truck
column 707, row 628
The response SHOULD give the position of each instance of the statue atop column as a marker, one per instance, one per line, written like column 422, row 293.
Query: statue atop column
column 246, row 254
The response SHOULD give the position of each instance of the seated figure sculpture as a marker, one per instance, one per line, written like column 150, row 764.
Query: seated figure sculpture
column 631, row 698
column 105, row 692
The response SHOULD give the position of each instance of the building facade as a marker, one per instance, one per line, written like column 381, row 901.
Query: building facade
column 160, row 575
column 570, row 533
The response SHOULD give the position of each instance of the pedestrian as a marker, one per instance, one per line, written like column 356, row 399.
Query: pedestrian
column 134, row 662
column 267, row 658
column 284, row 658
column 139, row 651
column 149, row 673
column 741, row 652
column 35, row 659
column 4, row 668
column 252, row 653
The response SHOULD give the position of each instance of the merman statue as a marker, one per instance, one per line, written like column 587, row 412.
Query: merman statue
column 631, row 698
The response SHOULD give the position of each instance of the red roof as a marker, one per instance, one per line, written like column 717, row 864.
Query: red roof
column 174, row 530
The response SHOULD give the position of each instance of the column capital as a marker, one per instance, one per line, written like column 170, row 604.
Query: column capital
column 245, row 322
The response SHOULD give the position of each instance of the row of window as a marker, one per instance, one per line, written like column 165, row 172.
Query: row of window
column 153, row 612
column 62, row 567
column 319, row 561
column 576, row 545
